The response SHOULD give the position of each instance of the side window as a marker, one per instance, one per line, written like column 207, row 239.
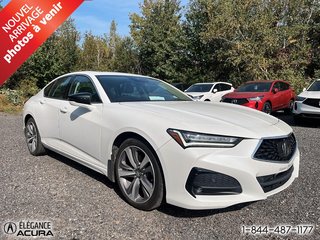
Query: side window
column 218, row 87
column 284, row 86
column 46, row 91
column 60, row 88
column 277, row 85
column 225, row 87
column 82, row 84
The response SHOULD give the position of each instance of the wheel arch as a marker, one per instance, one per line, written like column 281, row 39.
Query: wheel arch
column 117, row 143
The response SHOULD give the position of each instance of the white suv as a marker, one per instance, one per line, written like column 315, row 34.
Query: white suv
column 307, row 103
column 209, row 91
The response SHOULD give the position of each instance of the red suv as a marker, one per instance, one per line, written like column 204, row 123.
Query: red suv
column 266, row 96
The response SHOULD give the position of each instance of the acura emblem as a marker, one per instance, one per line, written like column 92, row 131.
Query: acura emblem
column 10, row 228
column 285, row 148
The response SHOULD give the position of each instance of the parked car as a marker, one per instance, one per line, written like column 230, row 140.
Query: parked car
column 266, row 96
column 160, row 146
column 307, row 104
column 209, row 91
column 181, row 86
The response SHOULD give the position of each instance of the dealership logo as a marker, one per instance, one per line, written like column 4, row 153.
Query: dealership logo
column 28, row 229
column 10, row 228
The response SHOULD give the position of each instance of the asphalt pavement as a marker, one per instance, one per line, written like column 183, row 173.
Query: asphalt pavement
column 83, row 204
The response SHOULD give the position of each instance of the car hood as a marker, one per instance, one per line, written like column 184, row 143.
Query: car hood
column 244, row 94
column 212, row 118
column 310, row 94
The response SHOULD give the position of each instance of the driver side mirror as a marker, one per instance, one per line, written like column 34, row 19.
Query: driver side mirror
column 275, row 90
column 80, row 100
column 215, row 90
column 84, row 98
column 304, row 89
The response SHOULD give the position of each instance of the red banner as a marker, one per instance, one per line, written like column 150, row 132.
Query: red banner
column 25, row 25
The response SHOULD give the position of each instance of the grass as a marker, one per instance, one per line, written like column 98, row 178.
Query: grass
column 8, row 107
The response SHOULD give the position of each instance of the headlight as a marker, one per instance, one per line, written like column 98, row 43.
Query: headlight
column 193, row 139
column 300, row 99
column 256, row 98
column 198, row 97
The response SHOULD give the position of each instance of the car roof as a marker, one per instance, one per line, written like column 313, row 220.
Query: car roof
column 212, row 83
column 264, row 81
column 104, row 73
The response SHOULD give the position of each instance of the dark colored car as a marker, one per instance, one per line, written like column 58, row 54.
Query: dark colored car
column 266, row 96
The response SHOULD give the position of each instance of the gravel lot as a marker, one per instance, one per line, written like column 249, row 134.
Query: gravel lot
column 82, row 204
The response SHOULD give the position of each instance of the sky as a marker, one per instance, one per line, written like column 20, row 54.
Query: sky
column 96, row 15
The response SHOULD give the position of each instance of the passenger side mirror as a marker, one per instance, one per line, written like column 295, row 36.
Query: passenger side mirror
column 215, row 90
column 275, row 90
column 80, row 98
column 304, row 89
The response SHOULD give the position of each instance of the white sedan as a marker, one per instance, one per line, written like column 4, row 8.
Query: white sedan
column 160, row 146
column 307, row 104
column 209, row 92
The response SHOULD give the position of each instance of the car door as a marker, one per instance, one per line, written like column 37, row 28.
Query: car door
column 286, row 94
column 221, row 89
column 48, row 110
column 276, row 96
column 80, row 127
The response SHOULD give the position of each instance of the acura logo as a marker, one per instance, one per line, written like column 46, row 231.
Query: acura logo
column 285, row 147
column 10, row 228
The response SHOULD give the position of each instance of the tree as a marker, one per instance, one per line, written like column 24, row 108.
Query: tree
column 55, row 57
column 261, row 39
column 157, row 33
column 94, row 53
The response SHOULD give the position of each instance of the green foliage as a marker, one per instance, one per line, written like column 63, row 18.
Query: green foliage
column 13, row 96
column 157, row 33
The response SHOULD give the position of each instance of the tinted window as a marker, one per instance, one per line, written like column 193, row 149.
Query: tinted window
column 218, row 87
column 284, row 86
column 225, row 87
column 255, row 87
column 200, row 88
column 314, row 86
column 134, row 89
column 46, row 91
column 83, row 84
column 277, row 85
column 60, row 88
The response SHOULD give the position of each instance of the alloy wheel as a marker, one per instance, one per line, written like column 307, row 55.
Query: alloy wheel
column 136, row 174
column 32, row 137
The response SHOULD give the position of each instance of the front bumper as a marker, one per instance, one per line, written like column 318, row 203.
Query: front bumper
column 304, row 110
column 234, row 162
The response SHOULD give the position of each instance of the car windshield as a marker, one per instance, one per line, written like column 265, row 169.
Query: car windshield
column 136, row 89
column 314, row 86
column 255, row 87
column 200, row 88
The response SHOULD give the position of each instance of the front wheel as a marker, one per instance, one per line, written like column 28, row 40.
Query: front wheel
column 138, row 175
column 33, row 138
column 267, row 108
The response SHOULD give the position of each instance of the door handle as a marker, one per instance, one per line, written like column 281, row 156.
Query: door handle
column 64, row 110
column 42, row 101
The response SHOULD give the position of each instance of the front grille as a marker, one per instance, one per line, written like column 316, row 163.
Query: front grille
column 278, row 150
column 312, row 102
column 239, row 101
column 273, row 181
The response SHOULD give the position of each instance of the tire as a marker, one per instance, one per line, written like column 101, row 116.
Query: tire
column 267, row 108
column 289, row 109
column 207, row 100
column 138, row 175
column 33, row 138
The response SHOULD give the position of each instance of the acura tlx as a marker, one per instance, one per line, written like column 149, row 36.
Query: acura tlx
column 158, row 145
